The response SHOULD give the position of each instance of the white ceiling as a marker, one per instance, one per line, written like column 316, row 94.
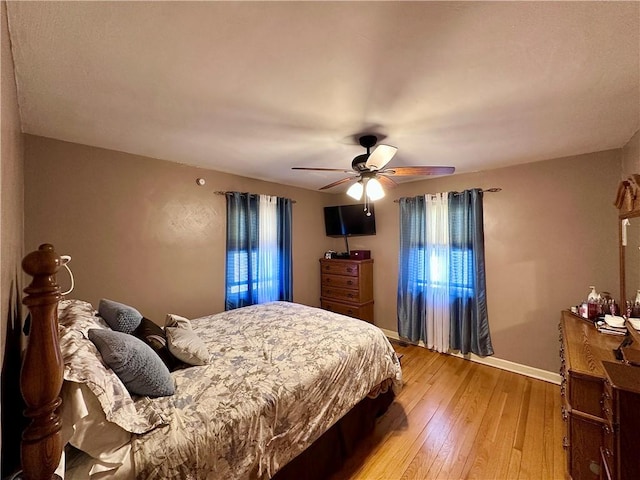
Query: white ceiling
column 255, row 88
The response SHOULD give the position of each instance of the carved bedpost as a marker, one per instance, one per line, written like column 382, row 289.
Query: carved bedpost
column 42, row 368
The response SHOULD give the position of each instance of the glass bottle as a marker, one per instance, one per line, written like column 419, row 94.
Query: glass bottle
column 635, row 311
column 593, row 301
column 606, row 302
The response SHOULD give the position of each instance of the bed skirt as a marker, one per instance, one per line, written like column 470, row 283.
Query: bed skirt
column 328, row 453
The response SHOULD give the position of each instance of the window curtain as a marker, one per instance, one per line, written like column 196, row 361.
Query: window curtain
column 285, row 249
column 469, row 318
column 412, row 269
column 423, row 292
column 258, row 267
column 441, row 281
column 437, row 285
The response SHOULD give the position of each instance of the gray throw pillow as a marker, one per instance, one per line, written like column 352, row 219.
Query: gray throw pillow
column 120, row 317
column 134, row 362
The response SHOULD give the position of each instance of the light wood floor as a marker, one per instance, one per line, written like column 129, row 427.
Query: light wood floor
column 456, row 419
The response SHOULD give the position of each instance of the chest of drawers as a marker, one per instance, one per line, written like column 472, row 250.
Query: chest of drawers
column 347, row 287
column 621, row 404
column 601, row 404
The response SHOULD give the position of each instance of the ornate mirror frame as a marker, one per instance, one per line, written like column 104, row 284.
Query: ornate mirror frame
column 628, row 204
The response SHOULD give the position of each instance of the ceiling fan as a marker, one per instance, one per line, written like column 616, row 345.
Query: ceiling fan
column 371, row 170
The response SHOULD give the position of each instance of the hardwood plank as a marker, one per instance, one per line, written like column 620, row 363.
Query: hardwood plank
column 559, row 428
column 432, row 441
column 422, row 423
column 494, row 434
column 531, row 466
column 455, row 419
column 475, row 403
column 503, row 448
column 374, row 448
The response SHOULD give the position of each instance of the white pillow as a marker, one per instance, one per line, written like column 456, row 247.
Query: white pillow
column 183, row 342
column 85, row 426
column 173, row 320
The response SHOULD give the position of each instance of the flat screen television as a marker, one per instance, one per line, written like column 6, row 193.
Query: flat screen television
column 349, row 220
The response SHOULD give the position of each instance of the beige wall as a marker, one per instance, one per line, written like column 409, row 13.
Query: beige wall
column 631, row 156
column 141, row 231
column 11, row 239
column 11, row 196
column 549, row 234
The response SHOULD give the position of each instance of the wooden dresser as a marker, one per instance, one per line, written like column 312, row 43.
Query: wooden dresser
column 347, row 287
column 598, row 392
column 621, row 405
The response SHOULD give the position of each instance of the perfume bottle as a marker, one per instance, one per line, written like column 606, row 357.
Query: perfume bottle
column 593, row 304
column 635, row 308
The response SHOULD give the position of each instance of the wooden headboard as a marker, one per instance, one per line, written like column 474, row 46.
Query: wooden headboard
column 42, row 368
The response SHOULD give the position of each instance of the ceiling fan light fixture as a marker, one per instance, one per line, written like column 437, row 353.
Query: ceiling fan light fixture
column 380, row 157
column 355, row 191
column 371, row 167
column 374, row 190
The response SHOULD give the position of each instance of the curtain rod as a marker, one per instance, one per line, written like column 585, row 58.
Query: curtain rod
column 220, row 192
column 489, row 190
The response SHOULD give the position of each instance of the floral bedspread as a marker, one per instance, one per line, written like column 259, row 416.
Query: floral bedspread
column 280, row 375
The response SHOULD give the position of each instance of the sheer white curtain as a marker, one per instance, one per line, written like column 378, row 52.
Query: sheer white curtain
column 437, row 288
column 268, row 286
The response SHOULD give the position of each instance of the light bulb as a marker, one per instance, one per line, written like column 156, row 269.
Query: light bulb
column 355, row 191
column 374, row 189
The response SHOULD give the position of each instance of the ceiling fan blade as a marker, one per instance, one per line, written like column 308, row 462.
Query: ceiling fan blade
column 386, row 181
column 339, row 182
column 409, row 171
column 323, row 169
column 380, row 157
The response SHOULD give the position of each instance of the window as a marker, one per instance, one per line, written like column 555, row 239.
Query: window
column 258, row 263
column 441, row 278
column 436, row 274
column 238, row 279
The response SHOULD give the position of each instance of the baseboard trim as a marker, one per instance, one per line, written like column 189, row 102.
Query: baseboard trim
column 508, row 365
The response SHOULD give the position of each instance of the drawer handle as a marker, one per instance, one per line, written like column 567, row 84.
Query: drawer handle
column 349, row 269
column 350, row 282
column 350, row 295
column 350, row 312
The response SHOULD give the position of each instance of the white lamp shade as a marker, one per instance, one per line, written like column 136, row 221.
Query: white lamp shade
column 380, row 157
column 374, row 190
column 355, row 191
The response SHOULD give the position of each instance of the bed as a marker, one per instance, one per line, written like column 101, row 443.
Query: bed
column 285, row 391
